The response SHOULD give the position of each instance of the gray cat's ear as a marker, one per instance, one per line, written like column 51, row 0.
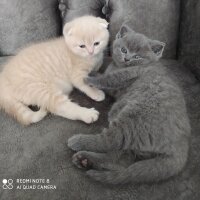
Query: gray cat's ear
column 157, row 47
column 67, row 29
column 123, row 31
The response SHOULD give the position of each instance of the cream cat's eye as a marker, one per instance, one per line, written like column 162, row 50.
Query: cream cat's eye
column 82, row 46
column 96, row 43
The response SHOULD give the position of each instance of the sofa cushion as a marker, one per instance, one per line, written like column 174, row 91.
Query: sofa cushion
column 158, row 20
column 27, row 21
column 76, row 8
column 189, row 50
column 40, row 151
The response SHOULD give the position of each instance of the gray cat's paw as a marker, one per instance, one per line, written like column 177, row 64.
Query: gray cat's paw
column 90, row 80
column 74, row 142
column 81, row 161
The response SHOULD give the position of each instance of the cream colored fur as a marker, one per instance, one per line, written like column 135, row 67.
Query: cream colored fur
column 44, row 74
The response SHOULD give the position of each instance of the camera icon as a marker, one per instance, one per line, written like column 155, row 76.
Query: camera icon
column 7, row 184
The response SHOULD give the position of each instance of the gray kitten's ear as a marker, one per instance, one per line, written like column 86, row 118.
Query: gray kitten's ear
column 123, row 31
column 157, row 47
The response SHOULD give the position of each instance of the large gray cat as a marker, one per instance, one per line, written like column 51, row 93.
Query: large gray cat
column 148, row 119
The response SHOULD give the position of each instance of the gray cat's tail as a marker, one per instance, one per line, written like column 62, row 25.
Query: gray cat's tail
column 114, row 80
column 146, row 171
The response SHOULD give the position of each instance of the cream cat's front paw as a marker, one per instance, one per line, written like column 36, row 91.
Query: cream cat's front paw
column 98, row 95
column 90, row 115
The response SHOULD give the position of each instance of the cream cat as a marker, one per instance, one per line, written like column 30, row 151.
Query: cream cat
column 44, row 74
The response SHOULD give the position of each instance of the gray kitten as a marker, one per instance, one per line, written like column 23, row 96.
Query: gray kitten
column 148, row 119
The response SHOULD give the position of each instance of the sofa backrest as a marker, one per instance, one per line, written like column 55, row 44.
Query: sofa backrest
column 27, row 21
column 78, row 8
column 189, row 48
column 156, row 19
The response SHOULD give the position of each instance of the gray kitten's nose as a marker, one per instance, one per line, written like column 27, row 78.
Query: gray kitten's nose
column 126, row 59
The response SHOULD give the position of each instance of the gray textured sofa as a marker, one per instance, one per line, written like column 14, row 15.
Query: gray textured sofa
column 40, row 151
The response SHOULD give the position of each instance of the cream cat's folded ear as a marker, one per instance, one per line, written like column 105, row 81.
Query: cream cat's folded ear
column 103, row 22
column 67, row 30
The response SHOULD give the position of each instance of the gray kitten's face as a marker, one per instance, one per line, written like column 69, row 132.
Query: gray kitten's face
column 131, row 48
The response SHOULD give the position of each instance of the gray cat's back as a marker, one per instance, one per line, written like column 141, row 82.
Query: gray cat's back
column 156, row 107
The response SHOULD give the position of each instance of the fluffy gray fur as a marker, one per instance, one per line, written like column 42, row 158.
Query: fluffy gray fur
column 149, row 118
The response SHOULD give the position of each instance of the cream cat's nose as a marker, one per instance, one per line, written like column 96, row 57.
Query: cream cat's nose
column 91, row 51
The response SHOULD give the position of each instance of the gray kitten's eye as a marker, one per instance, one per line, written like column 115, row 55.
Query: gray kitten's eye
column 123, row 50
column 96, row 43
column 136, row 57
column 82, row 46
